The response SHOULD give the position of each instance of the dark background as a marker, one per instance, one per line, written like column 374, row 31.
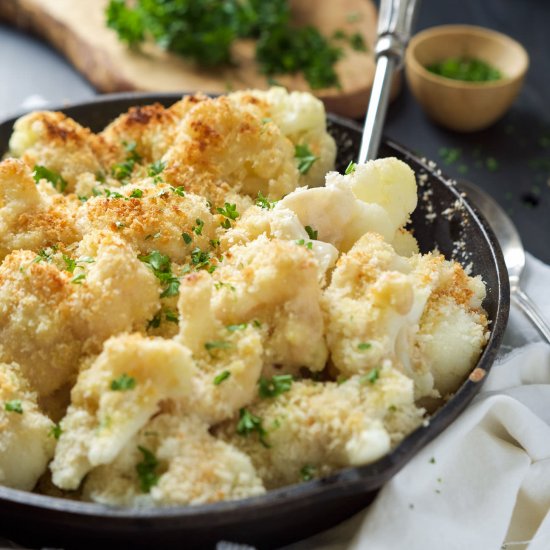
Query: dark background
column 519, row 143
column 511, row 160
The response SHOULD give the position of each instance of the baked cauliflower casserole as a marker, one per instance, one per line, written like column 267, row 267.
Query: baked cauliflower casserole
column 188, row 315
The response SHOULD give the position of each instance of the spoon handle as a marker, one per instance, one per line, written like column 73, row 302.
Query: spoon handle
column 395, row 22
column 531, row 311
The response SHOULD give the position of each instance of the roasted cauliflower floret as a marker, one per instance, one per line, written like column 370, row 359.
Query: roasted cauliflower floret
column 29, row 218
column 37, row 320
column 274, row 282
column 316, row 428
column 113, row 398
column 453, row 328
column 60, row 144
column 174, row 461
column 150, row 127
column 153, row 219
column 388, row 182
column 222, row 148
column 118, row 293
column 280, row 223
column 228, row 358
column 301, row 118
column 373, row 305
column 26, row 441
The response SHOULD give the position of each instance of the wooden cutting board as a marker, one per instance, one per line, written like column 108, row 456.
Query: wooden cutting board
column 77, row 29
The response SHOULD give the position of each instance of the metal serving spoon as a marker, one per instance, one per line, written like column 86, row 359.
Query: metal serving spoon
column 512, row 249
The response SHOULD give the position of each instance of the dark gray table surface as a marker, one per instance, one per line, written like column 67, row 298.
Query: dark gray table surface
column 511, row 160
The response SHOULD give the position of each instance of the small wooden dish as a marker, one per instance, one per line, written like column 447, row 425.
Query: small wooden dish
column 456, row 104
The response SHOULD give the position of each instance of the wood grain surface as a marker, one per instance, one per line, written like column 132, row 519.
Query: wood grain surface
column 77, row 29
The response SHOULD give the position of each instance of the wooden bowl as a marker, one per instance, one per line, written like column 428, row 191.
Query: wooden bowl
column 456, row 104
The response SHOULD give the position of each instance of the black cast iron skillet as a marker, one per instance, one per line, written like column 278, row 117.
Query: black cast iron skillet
column 297, row 511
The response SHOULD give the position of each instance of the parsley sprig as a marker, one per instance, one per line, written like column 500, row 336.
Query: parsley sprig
column 229, row 211
column 55, row 178
column 147, row 470
column 123, row 383
column 305, row 158
column 249, row 423
column 14, row 405
column 161, row 267
column 280, row 383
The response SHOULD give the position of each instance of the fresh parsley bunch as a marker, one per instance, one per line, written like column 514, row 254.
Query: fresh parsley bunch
column 204, row 31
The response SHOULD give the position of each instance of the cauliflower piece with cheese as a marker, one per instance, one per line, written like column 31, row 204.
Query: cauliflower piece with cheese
column 60, row 144
column 117, row 292
column 274, row 283
column 373, row 305
column 377, row 197
column 152, row 218
column 37, row 320
column 380, row 305
column 221, row 148
column 315, row 428
column 173, row 461
column 114, row 397
column 151, row 128
column 279, row 223
column 228, row 358
column 453, row 328
column 26, row 440
column 55, row 306
column 32, row 216
column 300, row 117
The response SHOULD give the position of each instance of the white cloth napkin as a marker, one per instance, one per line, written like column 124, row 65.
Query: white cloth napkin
column 484, row 483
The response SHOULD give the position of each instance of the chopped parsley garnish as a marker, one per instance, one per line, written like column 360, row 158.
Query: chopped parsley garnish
column 229, row 211
column 160, row 264
column 70, row 264
column 14, row 406
column 45, row 255
column 201, row 259
column 56, row 431
column 214, row 243
column 78, row 279
column 216, row 345
column 249, row 423
column 363, row 346
column 187, row 239
column 197, row 229
column 233, row 328
column 136, row 194
column 466, row 69
column 302, row 242
column 352, row 166
column 156, row 168
column 371, row 377
column 307, row 472
column 205, row 32
column 221, row 284
column 180, row 190
column 221, row 377
column 147, row 470
column 119, row 225
column 304, row 157
column 312, row 233
column 123, row 170
column 357, row 42
column 57, row 181
column 123, row 383
column 114, row 195
column 171, row 316
column 280, row 383
column 264, row 202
